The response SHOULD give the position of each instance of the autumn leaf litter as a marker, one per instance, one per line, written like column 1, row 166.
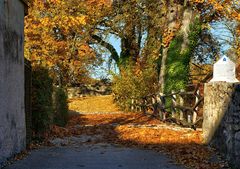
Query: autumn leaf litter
column 137, row 130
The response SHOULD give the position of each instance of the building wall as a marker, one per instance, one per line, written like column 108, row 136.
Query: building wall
column 12, row 116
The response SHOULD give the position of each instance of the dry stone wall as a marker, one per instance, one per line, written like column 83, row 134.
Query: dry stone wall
column 12, row 115
column 238, row 70
column 89, row 90
column 221, row 125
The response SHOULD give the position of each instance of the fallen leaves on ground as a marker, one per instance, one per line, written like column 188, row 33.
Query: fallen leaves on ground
column 136, row 130
column 92, row 104
column 21, row 155
column 183, row 145
column 118, row 118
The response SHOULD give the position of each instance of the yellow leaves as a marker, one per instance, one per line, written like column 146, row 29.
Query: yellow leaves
column 228, row 9
column 99, row 3
column 169, row 34
column 81, row 20
column 64, row 22
column 238, row 29
column 198, row 1
column 69, row 22
column 101, row 104
column 235, row 15
column 167, row 37
column 218, row 7
column 135, row 129
column 45, row 22
column 45, row 32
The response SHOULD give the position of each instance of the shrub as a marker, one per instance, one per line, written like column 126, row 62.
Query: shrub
column 135, row 82
column 41, row 99
column 60, row 106
column 49, row 105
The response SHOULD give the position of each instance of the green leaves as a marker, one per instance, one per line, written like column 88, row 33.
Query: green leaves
column 178, row 62
column 135, row 82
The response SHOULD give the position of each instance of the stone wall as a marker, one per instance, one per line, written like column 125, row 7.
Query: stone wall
column 89, row 90
column 238, row 70
column 221, row 124
column 12, row 115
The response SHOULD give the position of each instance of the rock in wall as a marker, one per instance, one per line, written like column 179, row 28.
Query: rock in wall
column 12, row 115
column 238, row 70
column 89, row 90
column 221, row 124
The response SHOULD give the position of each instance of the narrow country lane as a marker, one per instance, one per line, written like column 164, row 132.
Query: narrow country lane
column 99, row 136
column 94, row 156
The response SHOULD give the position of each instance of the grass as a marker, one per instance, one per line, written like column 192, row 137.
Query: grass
column 93, row 104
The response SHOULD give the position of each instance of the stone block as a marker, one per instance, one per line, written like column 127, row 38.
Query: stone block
column 221, row 124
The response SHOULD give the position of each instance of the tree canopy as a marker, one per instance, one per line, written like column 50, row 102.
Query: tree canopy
column 61, row 34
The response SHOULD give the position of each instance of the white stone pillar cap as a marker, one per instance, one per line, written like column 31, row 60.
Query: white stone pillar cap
column 224, row 70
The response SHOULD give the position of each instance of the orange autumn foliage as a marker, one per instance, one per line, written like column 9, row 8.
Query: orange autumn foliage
column 54, row 33
column 228, row 9
column 140, row 131
column 169, row 34
column 137, row 130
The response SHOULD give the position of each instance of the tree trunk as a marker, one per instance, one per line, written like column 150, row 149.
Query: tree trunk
column 185, row 27
column 178, row 14
column 163, row 69
column 172, row 18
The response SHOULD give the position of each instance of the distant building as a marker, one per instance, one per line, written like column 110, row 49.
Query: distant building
column 12, row 113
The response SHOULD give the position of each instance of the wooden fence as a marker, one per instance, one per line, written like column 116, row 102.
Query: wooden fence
column 182, row 107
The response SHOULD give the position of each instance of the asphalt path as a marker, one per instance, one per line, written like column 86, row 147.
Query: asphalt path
column 94, row 156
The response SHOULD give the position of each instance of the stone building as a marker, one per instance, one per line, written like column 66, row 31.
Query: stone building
column 12, row 113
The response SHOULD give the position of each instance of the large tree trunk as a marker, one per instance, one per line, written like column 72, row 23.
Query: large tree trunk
column 171, row 22
column 176, row 15
column 185, row 27
column 163, row 69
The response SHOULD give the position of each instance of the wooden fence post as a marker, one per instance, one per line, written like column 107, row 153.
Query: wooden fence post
column 174, row 102
column 189, row 120
column 162, row 107
column 194, row 119
column 155, row 105
column 158, row 98
column 181, row 103
column 132, row 105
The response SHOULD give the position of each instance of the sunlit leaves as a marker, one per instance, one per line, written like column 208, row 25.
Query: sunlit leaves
column 138, row 130
column 55, row 37
column 228, row 9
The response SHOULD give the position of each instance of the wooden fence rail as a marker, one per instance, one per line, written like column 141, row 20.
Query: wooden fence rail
column 181, row 107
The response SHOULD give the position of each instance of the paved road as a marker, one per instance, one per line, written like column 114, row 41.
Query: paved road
column 94, row 156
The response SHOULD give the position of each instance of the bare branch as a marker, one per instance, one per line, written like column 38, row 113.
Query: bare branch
column 111, row 49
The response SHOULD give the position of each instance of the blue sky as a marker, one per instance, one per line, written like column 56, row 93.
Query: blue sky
column 218, row 30
column 102, row 71
column 221, row 34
